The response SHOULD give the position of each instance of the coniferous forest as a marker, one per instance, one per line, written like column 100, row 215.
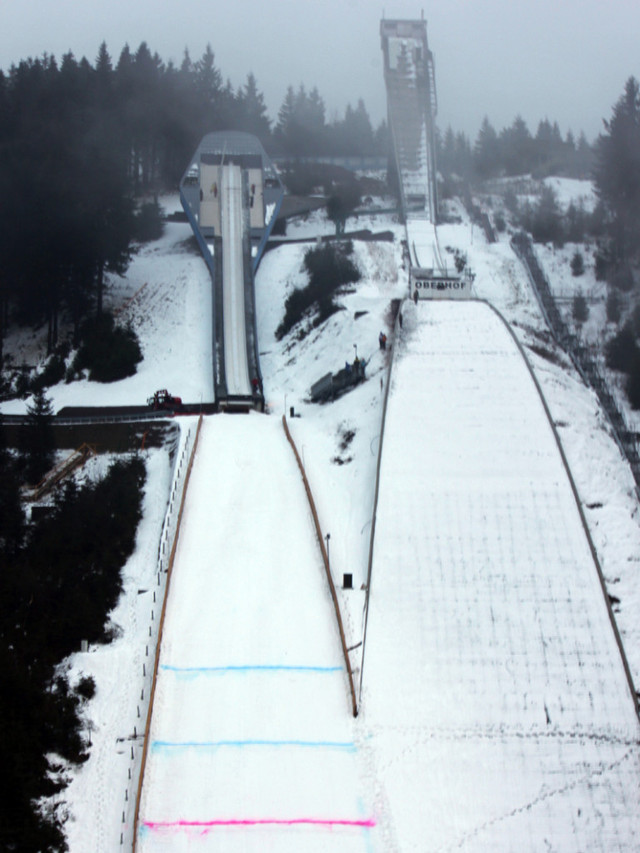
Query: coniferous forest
column 59, row 580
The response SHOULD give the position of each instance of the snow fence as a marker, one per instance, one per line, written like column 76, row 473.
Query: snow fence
column 325, row 560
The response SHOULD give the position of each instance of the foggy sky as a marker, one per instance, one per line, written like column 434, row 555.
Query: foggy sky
column 561, row 59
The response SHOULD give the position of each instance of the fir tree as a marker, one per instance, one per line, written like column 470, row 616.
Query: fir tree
column 577, row 264
column 38, row 441
column 341, row 205
column 252, row 110
column 486, row 151
column 617, row 172
column 580, row 309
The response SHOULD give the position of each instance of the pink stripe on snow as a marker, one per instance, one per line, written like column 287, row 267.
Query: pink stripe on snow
column 207, row 825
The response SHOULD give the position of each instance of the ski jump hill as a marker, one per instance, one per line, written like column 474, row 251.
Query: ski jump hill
column 496, row 710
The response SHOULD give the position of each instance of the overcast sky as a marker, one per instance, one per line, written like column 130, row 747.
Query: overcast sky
column 566, row 60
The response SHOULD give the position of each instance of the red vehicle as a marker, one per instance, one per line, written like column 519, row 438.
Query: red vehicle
column 164, row 400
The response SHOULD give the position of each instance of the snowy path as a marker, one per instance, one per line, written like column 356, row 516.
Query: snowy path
column 491, row 677
column 251, row 745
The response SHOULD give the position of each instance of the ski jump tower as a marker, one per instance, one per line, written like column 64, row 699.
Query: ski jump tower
column 409, row 76
column 411, row 103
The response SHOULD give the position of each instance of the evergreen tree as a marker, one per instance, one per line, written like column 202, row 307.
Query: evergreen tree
column 517, row 148
column 486, row 151
column 358, row 133
column 252, row 110
column 286, row 119
column 576, row 220
column 341, row 205
column 447, row 152
column 584, row 158
column 104, row 65
column 382, row 139
column 577, row 264
column 11, row 514
column 38, row 438
column 315, row 112
column 463, row 158
column 617, row 172
column 580, row 309
column 621, row 352
column 632, row 386
column 208, row 86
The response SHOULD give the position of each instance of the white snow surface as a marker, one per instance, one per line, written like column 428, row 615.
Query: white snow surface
column 250, row 719
column 166, row 296
column 495, row 714
column 573, row 191
column 505, row 699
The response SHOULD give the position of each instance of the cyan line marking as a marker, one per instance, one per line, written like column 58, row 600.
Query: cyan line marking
column 205, row 670
column 162, row 745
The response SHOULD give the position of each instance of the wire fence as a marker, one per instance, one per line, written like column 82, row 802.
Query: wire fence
column 584, row 358
column 139, row 735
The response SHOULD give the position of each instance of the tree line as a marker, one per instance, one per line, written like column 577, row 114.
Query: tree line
column 80, row 143
column 514, row 150
column 612, row 162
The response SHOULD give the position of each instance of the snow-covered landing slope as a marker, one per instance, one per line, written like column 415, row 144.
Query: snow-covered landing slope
column 251, row 744
column 492, row 680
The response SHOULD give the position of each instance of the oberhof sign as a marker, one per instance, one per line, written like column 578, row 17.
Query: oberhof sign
column 427, row 284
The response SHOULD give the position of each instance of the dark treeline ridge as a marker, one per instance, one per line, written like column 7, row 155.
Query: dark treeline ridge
column 514, row 151
column 612, row 162
column 80, row 143
column 60, row 577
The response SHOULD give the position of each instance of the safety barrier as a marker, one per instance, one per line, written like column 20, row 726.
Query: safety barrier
column 375, row 501
column 325, row 560
column 79, row 420
column 166, row 556
column 582, row 359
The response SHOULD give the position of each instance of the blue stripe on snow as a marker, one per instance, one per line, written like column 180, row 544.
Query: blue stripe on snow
column 208, row 670
column 165, row 745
